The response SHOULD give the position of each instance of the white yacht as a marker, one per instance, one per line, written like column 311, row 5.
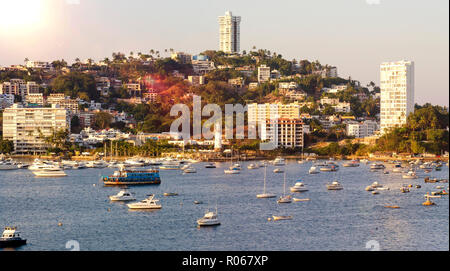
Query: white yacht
column 190, row 170
column 50, row 171
column 8, row 164
column 313, row 170
column 377, row 166
column 279, row 161
column 96, row 164
column 232, row 170
column 148, row 203
column 328, row 168
column 410, row 175
column 134, row 162
column 123, row 195
column 253, row 166
column 353, row 163
column 298, row 187
column 39, row 164
column 278, row 170
column 209, row 219
column 265, row 195
column 335, row 185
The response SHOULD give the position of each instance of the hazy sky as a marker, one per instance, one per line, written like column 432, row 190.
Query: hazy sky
column 354, row 35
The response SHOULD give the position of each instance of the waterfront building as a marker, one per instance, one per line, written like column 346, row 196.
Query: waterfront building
column 230, row 33
column 261, row 112
column 285, row 132
column 361, row 129
column 27, row 127
column 397, row 93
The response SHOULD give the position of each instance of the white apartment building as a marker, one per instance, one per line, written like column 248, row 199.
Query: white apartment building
column 343, row 107
column 230, row 33
column 361, row 129
column 287, row 133
column 23, row 126
column 35, row 99
column 64, row 102
column 397, row 93
column 261, row 112
column 202, row 66
column 38, row 64
column 263, row 74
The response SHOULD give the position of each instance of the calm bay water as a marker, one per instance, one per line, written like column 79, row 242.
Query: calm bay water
column 331, row 220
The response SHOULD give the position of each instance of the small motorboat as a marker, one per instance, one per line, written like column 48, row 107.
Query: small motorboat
column 335, row 185
column 281, row 217
column 123, row 195
column 190, row 170
column 329, row 168
column 410, row 175
column 278, row 170
column 313, row 170
column 210, row 165
column 375, row 192
column 209, row 219
column 392, row 206
column 148, row 203
column 353, row 163
column 170, row 194
column 198, row 202
column 377, row 166
column 298, row 187
column 232, row 170
column 297, row 200
column 253, row 166
column 279, row 161
column 285, row 199
column 11, row 238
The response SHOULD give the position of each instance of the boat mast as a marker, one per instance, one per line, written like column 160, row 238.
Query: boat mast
column 284, row 184
column 265, row 174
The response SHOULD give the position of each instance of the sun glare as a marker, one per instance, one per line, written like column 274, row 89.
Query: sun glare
column 20, row 14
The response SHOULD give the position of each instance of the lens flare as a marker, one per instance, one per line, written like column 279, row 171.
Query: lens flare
column 21, row 14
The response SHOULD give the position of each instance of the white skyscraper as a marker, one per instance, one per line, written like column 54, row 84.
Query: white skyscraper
column 397, row 93
column 230, row 33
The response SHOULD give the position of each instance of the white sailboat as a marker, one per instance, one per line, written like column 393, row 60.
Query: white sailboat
column 285, row 198
column 265, row 195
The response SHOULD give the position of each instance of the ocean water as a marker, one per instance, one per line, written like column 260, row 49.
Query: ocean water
column 332, row 220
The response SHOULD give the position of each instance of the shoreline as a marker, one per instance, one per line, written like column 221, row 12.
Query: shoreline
column 227, row 159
